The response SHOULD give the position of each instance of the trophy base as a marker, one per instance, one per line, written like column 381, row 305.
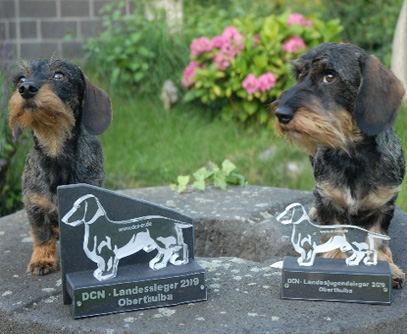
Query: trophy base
column 137, row 287
column 333, row 280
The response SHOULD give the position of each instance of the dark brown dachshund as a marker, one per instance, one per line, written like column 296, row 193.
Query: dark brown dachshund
column 341, row 111
column 65, row 112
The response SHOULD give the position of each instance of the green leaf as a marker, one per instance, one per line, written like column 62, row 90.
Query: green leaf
column 138, row 76
column 228, row 166
column 201, row 174
column 220, row 180
column 237, row 179
column 217, row 90
column 228, row 92
column 182, row 182
column 200, row 185
column 249, row 107
column 214, row 167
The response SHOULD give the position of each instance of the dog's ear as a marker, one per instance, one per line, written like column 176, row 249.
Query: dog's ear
column 97, row 111
column 379, row 97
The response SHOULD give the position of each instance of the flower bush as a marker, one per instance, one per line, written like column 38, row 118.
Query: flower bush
column 248, row 65
column 135, row 52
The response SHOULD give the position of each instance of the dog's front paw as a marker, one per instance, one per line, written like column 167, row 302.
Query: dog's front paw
column 43, row 259
column 42, row 267
column 398, row 277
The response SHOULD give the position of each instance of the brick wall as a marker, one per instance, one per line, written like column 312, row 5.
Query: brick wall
column 38, row 28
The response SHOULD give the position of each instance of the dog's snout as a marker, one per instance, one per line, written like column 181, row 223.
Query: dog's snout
column 284, row 114
column 28, row 90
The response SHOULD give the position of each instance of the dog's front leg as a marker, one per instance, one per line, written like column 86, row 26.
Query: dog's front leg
column 43, row 218
column 382, row 251
column 384, row 254
column 43, row 259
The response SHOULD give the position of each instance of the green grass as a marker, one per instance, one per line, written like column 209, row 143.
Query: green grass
column 148, row 146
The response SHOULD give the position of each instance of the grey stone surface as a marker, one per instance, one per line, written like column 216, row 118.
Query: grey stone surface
column 237, row 241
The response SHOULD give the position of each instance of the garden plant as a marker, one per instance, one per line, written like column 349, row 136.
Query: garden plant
column 248, row 65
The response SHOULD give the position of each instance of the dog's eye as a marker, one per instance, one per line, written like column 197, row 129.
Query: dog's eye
column 328, row 78
column 300, row 75
column 59, row 76
column 21, row 79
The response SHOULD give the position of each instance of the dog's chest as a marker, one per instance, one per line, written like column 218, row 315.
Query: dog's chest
column 352, row 183
column 75, row 166
column 341, row 197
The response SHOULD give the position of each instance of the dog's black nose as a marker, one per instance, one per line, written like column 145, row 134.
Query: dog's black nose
column 28, row 90
column 284, row 114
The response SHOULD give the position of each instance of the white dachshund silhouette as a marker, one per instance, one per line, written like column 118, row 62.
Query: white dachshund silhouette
column 309, row 239
column 105, row 241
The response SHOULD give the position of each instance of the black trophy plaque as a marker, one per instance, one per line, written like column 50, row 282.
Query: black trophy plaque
column 358, row 278
column 122, row 254
column 333, row 280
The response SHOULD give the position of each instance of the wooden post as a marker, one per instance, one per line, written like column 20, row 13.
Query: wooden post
column 174, row 10
column 399, row 52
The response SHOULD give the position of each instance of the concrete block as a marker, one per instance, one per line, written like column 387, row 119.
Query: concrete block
column 91, row 28
column 7, row 9
column 75, row 8
column 40, row 8
column 72, row 50
column 39, row 50
column 28, row 29
column 58, row 29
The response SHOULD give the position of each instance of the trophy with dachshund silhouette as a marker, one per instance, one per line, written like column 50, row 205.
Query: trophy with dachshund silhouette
column 121, row 254
column 335, row 263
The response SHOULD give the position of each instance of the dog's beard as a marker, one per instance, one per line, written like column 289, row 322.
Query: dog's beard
column 308, row 130
column 49, row 118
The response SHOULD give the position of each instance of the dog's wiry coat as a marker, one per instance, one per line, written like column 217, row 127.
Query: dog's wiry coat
column 65, row 112
column 341, row 111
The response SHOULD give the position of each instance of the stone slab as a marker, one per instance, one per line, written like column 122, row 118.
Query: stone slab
column 238, row 240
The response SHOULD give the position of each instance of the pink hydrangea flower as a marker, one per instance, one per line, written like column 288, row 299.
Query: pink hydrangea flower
column 200, row 45
column 222, row 60
column 298, row 19
column 266, row 81
column 231, row 32
column 230, row 44
column 263, row 83
column 219, row 41
column 234, row 37
column 250, row 83
column 189, row 73
column 294, row 44
column 256, row 39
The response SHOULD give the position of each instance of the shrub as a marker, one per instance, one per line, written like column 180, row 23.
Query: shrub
column 368, row 23
column 135, row 51
column 216, row 15
column 12, row 156
column 248, row 65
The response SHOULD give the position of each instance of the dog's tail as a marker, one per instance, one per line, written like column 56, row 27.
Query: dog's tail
column 376, row 235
